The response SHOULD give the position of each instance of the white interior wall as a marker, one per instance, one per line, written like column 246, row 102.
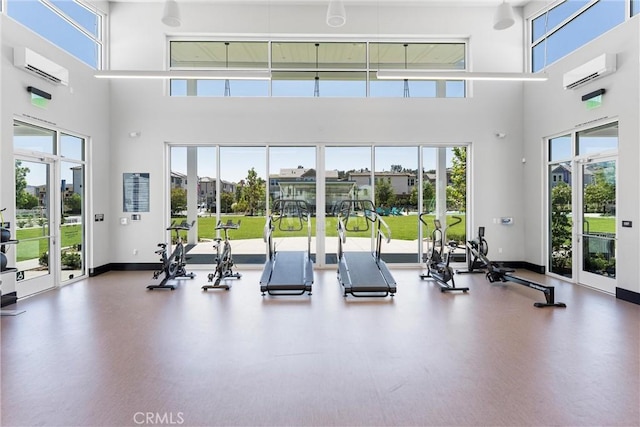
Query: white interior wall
column 499, row 179
column 550, row 110
column 137, row 105
column 81, row 108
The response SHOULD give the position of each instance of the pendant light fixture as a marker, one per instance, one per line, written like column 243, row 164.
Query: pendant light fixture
column 503, row 18
column 316, row 90
column 171, row 15
column 227, row 86
column 406, row 81
column 336, row 14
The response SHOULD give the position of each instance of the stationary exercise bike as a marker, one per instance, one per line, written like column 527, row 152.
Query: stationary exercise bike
column 437, row 260
column 476, row 247
column 173, row 266
column 224, row 260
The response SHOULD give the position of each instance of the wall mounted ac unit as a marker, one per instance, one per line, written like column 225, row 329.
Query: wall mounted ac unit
column 596, row 68
column 33, row 62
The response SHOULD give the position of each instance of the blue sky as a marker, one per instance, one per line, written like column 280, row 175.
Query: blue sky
column 339, row 158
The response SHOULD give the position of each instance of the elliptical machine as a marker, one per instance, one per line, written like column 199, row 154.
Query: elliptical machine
column 224, row 260
column 476, row 249
column 437, row 261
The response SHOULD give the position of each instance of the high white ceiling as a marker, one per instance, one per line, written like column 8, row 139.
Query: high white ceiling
column 449, row 3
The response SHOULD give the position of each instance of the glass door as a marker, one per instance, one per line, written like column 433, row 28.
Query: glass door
column 597, row 226
column 50, row 211
column 582, row 178
column 72, row 232
column 34, row 219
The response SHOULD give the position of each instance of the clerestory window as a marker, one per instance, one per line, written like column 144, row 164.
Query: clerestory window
column 318, row 68
column 69, row 24
column 570, row 25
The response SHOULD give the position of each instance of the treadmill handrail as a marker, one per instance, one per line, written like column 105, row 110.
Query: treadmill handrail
column 342, row 236
column 381, row 235
column 382, row 232
column 386, row 236
column 309, row 234
column 266, row 236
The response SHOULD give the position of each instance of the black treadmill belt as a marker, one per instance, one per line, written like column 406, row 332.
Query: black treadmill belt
column 363, row 271
column 288, row 269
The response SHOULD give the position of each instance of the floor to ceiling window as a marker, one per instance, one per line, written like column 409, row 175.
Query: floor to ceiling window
column 396, row 189
column 560, row 206
column 292, row 176
column 212, row 183
column 209, row 184
column 349, row 176
column 444, row 195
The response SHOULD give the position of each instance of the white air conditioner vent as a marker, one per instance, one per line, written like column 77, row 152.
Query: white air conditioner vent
column 33, row 62
column 596, row 68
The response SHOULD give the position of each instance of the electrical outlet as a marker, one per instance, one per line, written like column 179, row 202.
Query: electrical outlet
column 135, row 252
column 499, row 250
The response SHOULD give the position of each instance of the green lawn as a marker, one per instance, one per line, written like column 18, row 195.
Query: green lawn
column 251, row 227
column 605, row 224
column 32, row 245
column 402, row 227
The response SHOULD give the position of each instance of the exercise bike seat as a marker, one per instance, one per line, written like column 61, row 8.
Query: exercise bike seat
column 179, row 227
column 229, row 225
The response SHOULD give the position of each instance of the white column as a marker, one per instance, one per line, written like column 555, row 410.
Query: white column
column 320, row 207
column 441, row 185
column 192, row 193
column 420, row 184
column 218, row 189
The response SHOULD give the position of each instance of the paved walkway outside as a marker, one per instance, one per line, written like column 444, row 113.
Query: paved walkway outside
column 252, row 246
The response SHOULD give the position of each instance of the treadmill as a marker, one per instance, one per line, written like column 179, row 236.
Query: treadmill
column 363, row 274
column 287, row 272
